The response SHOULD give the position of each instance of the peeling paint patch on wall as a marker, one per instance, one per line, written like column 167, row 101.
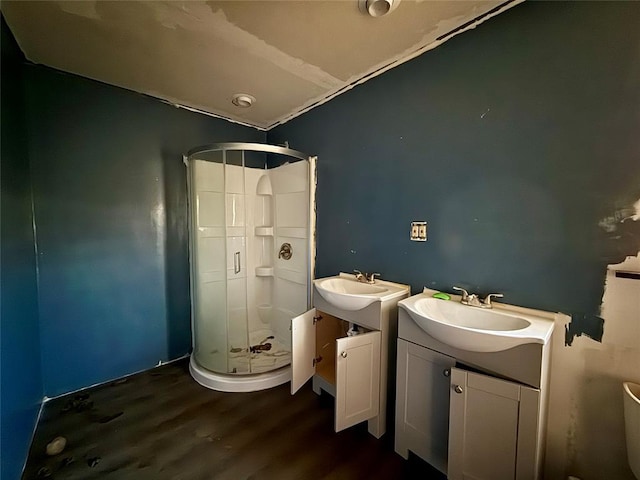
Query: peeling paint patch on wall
column 630, row 264
column 624, row 235
column 612, row 222
column 621, row 303
column 586, row 427
column 591, row 326
column 622, row 230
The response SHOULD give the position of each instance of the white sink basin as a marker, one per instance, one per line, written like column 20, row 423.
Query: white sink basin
column 345, row 292
column 476, row 329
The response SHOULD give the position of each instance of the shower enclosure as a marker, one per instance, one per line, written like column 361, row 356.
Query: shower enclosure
column 252, row 222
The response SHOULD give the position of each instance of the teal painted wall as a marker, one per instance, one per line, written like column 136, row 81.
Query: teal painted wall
column 111, row 214
column 104, row 167
column 20, row 371
column 514, row 141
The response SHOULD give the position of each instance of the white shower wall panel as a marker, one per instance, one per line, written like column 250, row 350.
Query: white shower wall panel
column 211, row 259
column 237, row 312
column 280, row 323
column 262, row 254
column 292, row 209
column 290, row 297
column 255, row 252
column 235, row 210
column 298, row 261
column 210, row 208
column 290, row 177
column 264, row 294
column 234, row 179
column 208, row 176
column 263, row 210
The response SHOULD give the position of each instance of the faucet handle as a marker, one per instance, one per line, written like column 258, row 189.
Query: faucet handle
column 487, row 300
column 358, row 274
column 465, row 294
column 371, row 277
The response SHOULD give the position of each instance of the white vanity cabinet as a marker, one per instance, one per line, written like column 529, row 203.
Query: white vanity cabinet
column 493, row 427
column 422, row 403
column 355, row 370
column 478, row 415
column 347, row 367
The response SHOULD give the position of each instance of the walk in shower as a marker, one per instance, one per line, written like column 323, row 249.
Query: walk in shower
column 252, row 222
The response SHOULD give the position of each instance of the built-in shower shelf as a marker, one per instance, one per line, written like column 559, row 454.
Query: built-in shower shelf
column 264, row 231
column 264, row 271
column 264, row 186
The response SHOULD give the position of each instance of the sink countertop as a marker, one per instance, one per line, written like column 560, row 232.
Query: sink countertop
column 393, row 289
column 539, row 331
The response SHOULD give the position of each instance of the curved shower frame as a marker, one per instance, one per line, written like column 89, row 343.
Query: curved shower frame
column 237, row 382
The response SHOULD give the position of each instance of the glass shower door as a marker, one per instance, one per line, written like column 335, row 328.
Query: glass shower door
column 208, row 246
column 218, row 253
column 237, row 263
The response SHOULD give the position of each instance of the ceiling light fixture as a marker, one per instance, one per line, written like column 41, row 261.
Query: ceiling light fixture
column 243, row 100
column 376, row 8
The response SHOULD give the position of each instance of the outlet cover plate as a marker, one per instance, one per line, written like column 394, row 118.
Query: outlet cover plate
column 419, row 231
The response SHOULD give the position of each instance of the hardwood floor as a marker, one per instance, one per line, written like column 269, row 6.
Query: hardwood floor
column 161, row 424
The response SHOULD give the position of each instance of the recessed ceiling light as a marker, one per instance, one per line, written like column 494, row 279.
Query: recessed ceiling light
column 243, row 100
column 377, row 8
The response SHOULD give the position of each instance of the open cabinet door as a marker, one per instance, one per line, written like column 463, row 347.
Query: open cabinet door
column 357, row 379
column 303, row 349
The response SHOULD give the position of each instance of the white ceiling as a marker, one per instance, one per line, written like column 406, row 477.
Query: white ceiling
column 290, row 55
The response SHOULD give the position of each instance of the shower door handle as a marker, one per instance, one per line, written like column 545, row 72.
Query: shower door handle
column 236, row 262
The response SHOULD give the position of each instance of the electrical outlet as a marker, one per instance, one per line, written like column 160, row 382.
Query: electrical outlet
column 419, row 231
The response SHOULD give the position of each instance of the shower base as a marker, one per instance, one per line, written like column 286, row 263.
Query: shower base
column 276, row 357
column 238, row 383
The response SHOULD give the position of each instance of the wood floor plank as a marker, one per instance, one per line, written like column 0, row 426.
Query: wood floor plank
column 162, row 425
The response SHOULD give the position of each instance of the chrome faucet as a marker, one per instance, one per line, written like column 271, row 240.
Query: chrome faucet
column 371, row 277
column 473, row 300
column 365, row 277
column 487, row 300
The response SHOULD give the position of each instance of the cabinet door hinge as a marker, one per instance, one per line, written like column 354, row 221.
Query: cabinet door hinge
column 317, row 319
column 316, row 361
